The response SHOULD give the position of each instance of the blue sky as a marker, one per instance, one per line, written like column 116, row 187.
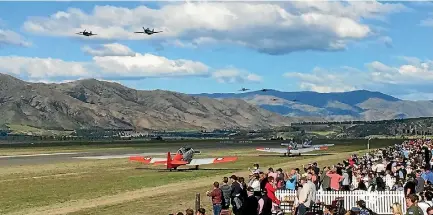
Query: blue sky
column 221, row 47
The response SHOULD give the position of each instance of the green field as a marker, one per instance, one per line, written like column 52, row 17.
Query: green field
column 115, row 186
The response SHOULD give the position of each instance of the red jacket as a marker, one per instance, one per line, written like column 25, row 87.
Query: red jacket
column 271, row 193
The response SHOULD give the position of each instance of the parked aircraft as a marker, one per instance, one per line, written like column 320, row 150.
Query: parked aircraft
column 293, row 149
column 306, row 144
column 183, row 157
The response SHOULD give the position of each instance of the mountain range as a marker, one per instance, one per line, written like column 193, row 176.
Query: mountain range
column 314, row 106
column 92, row 103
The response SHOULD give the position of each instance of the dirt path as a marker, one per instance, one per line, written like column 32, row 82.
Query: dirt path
column 77, row 205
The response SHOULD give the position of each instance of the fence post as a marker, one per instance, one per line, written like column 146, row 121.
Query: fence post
column 197, row 202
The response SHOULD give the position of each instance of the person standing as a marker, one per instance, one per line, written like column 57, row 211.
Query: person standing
column 217, row 197
column 251, row 204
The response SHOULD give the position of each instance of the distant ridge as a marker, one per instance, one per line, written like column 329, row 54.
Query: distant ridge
column 91, row 103
column 352, row 105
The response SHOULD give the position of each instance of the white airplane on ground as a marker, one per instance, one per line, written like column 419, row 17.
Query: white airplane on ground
column 295, row 149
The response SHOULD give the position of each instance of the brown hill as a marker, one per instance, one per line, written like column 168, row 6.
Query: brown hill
column 92, row 103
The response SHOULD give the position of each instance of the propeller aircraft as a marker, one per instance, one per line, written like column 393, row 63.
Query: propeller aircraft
column 85, row 33
column 244, row 89
column 295, row 149
column 148, row 31
column 183, row 157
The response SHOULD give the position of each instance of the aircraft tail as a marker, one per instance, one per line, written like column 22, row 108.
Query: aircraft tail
column 169, row 166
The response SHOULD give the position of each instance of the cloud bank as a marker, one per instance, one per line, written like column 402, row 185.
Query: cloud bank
column 272, row 28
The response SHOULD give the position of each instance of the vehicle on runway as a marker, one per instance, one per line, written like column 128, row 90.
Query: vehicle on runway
column 147, row 31
column 85, row 33
column 292, row 148
column 183, row 157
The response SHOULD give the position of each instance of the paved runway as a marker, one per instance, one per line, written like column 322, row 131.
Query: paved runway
column 159, row 151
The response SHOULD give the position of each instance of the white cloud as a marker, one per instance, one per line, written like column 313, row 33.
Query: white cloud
column 8, row 37
column 233, row 75
column 272, row 28
column 112, row 49
column 411, row 77
column 101, row 67
column 427, row 22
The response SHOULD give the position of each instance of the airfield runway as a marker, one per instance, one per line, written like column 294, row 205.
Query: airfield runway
column 109, row 153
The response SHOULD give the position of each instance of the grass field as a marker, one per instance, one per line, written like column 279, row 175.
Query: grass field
column 115, row 186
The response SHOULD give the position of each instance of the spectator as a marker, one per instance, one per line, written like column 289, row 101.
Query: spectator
column 346, row 181
column 409, row 187
column 412, row 208
column 217, row 197
column 236, row 195
column 291, row 180
column 201, row 211
column 363, row 208
column 270, row 189
column 303, row 202
column 426, row 202
column 326, row 180
column 335, row 179
column 430, row 211
column 419, row 182
column 281, row 184
column 427, row 175
column 255, row 184
column 265, row 204
column 272, row 174
column 250, row 205
column 396, row 209
column 189, row 211
column 226, row 191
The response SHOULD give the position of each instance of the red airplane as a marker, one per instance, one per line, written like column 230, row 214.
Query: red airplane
column 184, row 156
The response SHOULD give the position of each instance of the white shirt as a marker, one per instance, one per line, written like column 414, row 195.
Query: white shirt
column 424, row 206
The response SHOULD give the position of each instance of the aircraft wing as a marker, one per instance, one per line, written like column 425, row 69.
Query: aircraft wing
column 323, row 145
column 283, row 150
column 147, row 160
column 202, row 161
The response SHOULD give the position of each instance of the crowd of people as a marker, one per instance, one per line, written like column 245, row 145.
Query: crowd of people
column 403, row 167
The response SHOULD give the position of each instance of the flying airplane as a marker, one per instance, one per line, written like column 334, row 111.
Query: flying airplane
column 264, row 90
column 274, row 99
column 148, row 31
column 244, row 89
column 292, row 149
column 184, row 156
column 85, row 33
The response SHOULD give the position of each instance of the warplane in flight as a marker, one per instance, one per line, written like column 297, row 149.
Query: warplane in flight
column 244, row 89
column 274, row 99
column 264, row 90
column 148, row 31
column 85, row 33
column 184, row 156
column 295, row 149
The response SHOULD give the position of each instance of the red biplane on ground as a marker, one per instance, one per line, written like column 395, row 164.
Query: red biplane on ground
column 183, row 157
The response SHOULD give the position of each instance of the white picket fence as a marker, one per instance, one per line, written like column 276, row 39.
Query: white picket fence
column 378, row 201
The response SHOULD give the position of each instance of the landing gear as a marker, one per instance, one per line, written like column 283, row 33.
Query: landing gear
column 196, row 167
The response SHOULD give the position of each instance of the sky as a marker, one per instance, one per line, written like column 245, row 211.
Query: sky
column 219, row 47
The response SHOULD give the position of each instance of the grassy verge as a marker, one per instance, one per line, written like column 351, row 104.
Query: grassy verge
column 38, row 186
